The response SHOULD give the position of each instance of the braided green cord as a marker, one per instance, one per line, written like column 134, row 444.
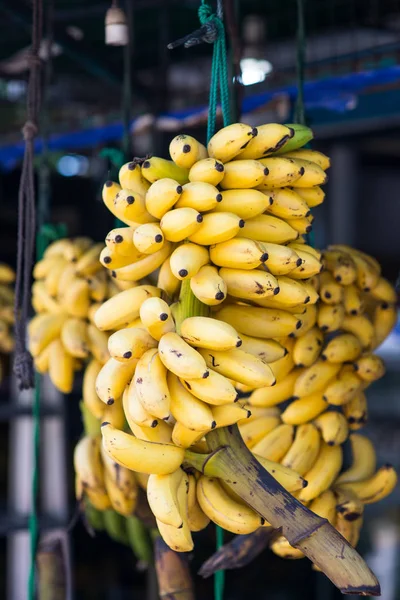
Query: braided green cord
column 219, row 81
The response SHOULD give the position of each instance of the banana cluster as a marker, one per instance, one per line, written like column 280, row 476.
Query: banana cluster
column 7, row 278
column 70, row 283
column 280, row 323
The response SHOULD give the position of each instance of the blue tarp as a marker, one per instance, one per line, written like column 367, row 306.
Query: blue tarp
column 334, row 93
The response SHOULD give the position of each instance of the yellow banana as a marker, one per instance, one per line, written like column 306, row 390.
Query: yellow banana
column 113, row 378
column 156, row 168
column 269, row 138
column 130, row 177
column 249, row 285
column 330, row 317
column 245, row 203
column 56, row 248
column 184, row 437
column 120, row 242
column 384, row 291
column 285, row 203
column 341, row 265
column 342, row 348
column 314, row 156
column 253, row 431
column 197, row 519
column 109, row 192
column 148, row 238
column 283, row 366
column 223, row 510
column 133, row 409
column 77, row 248
column 140, row 455
column 261, row 322
column 129, row 343
column 304, row 450
column 230, row 141
column 7, row 274
column 42, row 330
column 368, row 270
column 160, row 433
column 356, row 412
column 143, row 267
column 243, row 174
column 185, row 151
column 114, row 414
column 61, row 367
column 240, row 366
column 302, row 225
column 217, row 227
column 229, row 414
column 304, row 409
column 156, row 317
column 215, row 389
column 384, row 320
column 162, row 496
column 74, row 337
column 199, row 196
column 204, row 332
column 307, row 348
column 273, row 395
column 208, row 286
column 324, row 506
column 310, row 264
column 180, row 223
column 187, row 260
column 90, row 397
column 239, row 253
column 207, row 170
column 364, row 460
column 314, row 196
column 282, row 172
column 166, row 279
column 333, row 427
column 151, row 385
column 179, row 539
column 52, row 278
column 188, row 410
column 313, row 174
column 376, row 487
column 280, row 260
column 348, row 505
column 43, row 300
column 120, row 310
column 314, row 379
column 121, row 486
column 89, row 472
column 352, row 300
column 266, row 350
column 98, row 285
column 323, row 472
column 275, row 444
column 41, row 361
column 267, row 228
column 281, row 547
column 111, row 260
column 76, row 299
column 370, row 367
column 350, row 530
column 88, row 263
column 98, row 343
column 343, row 388
column 180, row 358
column 287, row 477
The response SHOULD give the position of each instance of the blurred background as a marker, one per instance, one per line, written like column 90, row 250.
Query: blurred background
column 96, row 92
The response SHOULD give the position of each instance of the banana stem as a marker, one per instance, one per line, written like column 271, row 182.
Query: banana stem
column 173, row 575
column 188, row 306
column 139, row 539
column 231, row 461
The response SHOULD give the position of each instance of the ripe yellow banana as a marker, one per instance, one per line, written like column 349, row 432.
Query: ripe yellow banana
column 314, row 156
column 285, row 203
column 156, row 317
column 111, row 260
column 376, row 487
column 240, row 366
column 121, row 486
column 350, row 530
column 342, row 348
column 130, row 177
column 120, row 310
column 245, row 203
column 197, row 519
column 323, row 472
column 7, row 274
column 134, row 410
column 324, row 506
column 148, row 238
column 240, row 253
column 364, row 460
column 230, row 141
column 275, row 444
column 304, row 450
column 208, row 286
column 384, row 320
column 368, row 269
column 207, row 170
column 204, row 332
column 179, row 539
column 98, row 285
column 270, row 138
column 250, row 285
column 243, row 174
column 187, row 260
column 140, row 455
column 356, row 412
column 304, row 409
column 344, row 387
column 185, row 151
column 282, row 172
column 313, row 174
column 166, row 279
column 162, row 496
column 281, row 547
column 188, row 410
column 370, row 367
column 229, row 414
column 333, row 427
column 352, row 300
column 223, row 510
column 302, row 225
column 41, row 361
column 109, row 192
column 310, row 264
column 113, row 378
column 74, row 337
column 280, row 260
column 61, row 367
column 161, row 196
column 89, row 472
column 215, row 389
column 151, row 385
column 341, row 265
column 314, row 379
column 217, row 227
column 287, row 477
column 180, row 223
column 88, row 262
column 76, row 299
column 156, row 168
column 273, row 395
column 314, row 196
column 266, row 350
column 42, row 330
column 90, row 397
column 348, row 505
column 307, row 348
column 261, row 322
column 283, row 366
column 267, row 228
column 199, row 196
column 384, row 291
column 52, row 278
column 129, row 343
column 330, row 317
column 143, row 267
column 180, row 358
column 253, row 431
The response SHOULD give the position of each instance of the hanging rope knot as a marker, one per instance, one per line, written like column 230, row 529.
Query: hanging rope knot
column 29, row 130
column 210, row 31
column 23, row 369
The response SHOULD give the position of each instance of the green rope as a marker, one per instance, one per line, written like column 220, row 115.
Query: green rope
column 219, row 82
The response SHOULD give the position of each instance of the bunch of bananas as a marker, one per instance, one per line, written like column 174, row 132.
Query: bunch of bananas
column 174, row 374
column 7, row 278
column 70, row 283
